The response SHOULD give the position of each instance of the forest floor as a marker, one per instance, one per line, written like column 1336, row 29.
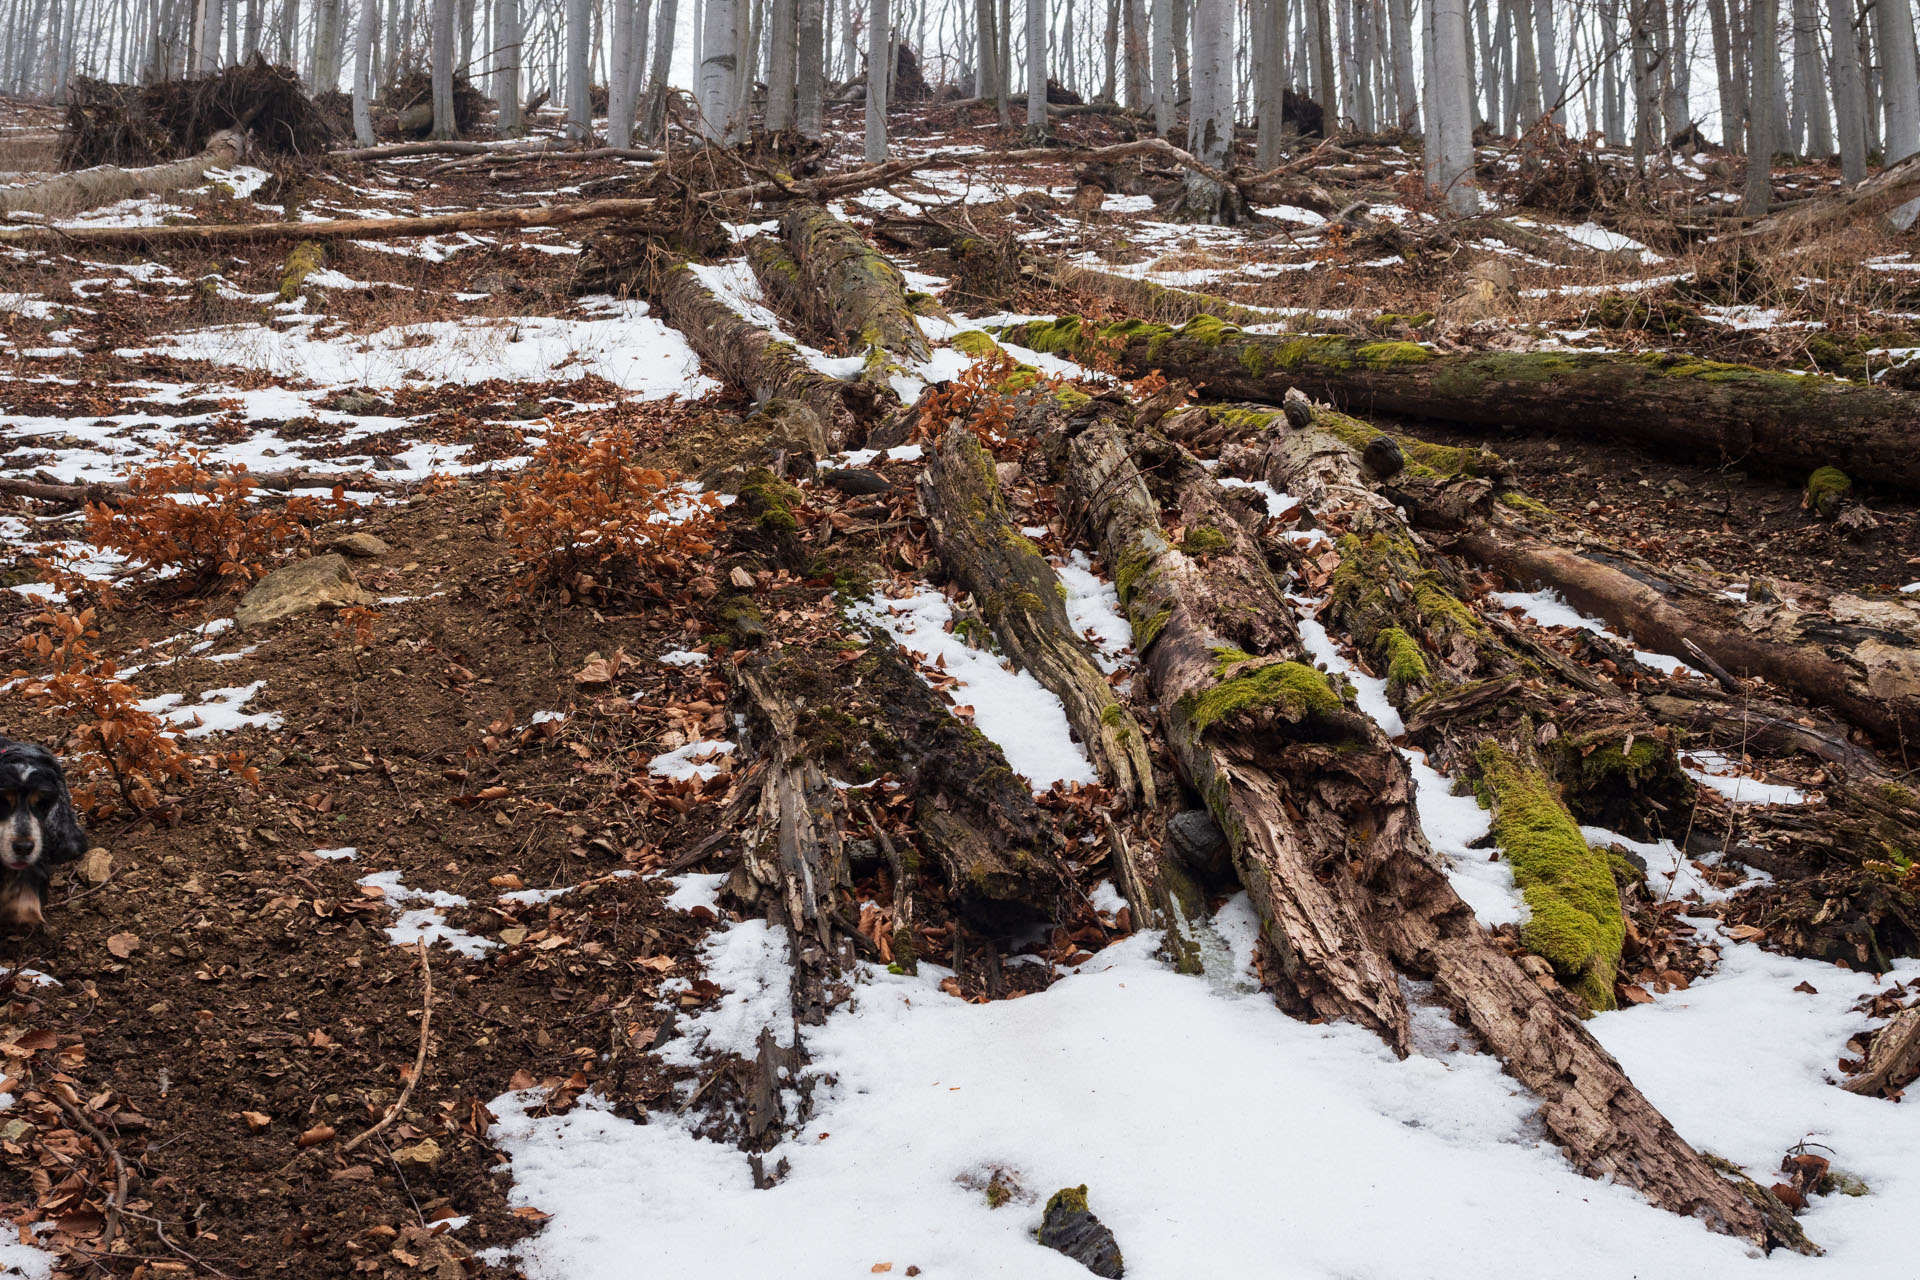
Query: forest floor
column 513, row 797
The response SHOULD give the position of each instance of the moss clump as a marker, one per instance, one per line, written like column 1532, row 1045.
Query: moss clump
column 1529, row 506
column 973, row 343
column 1069, row 1200
column 1827, row 488
column 1576, row 926
column 1021, row 379
column 770, row 500
column 1204, row 540
column 1380, row 354
column 307, row 257
column 1425, row 461
column 1052, row 336
column 1406, row 666
column 1130, row 573
column 1208, row 331
column 1070, row 398
column 743, row 619
column 1293, row 690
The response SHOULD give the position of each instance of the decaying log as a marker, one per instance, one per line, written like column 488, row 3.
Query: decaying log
column 89, row 188
column 1877, row 195
column 1859, row 657
column 1318, row 809
column 858, row 296
column 1789, row 424
column 110, row 492
column 1020, row 596
column 806, row 405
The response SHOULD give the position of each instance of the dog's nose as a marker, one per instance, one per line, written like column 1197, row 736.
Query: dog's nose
column 22, row 848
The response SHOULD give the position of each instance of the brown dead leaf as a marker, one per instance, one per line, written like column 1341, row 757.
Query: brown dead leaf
column 599, row 670
column 1635, row 994
column 316, row 1135
column 123, row 945
column 256, row 1120
column 741, row 578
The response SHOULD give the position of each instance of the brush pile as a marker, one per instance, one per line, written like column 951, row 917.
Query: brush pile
column 131, row 125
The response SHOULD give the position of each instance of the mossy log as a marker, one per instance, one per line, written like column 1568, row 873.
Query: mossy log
column 89, row 188
column 857, row 294
column 1788, row 424
column 1021, row 598
column 1858, row 656
column 811, row 406
column 1540, row 735
column 1317, row 807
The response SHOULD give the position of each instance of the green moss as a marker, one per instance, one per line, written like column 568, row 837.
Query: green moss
column 1209, row 331
column 1130, row 574
column 1895, row 794
column 974, row 343
column 1295, row 691
column 1530, row 506
column 1070, row 1199
column 1406, row 666
column 1020, row 380
column 1380, row 354
column 1576, row 924
column 1601, row 762
column 1204, row 540
column 1051, row 336
column 770, row 500
column 1425, row 461
column 307, row 257
column 1070, row 397
column 1827, row 488
column 1148, row 629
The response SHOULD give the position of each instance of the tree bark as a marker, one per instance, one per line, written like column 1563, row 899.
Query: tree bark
column 440, row 54
column 879, row 55
column 1787, row 424
column 859, row 297
column 1849, row 93
column 1036, row 71
column 658, row 88
column 1020, row 596
column 810, row 72
column 1763, row 131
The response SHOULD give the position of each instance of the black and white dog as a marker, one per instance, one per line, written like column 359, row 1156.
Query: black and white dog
column 38, row 829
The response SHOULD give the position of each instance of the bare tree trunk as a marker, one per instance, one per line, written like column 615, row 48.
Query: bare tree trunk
column 719, row 90
column 1406, row 92
column 1646, row 88
column 579, row 71
column 363, row 73
column 440, row 55
column 879, row 50
column 1762, row 129
column 1036, row 71
column 1449, row 141
column 1731, row 112
column 1893, row 23
column 782, row 56
column 506, row 76
column 1163, row 83
column 1139, row 57
column 1678, row 67
column 987, row 74
column 1269, row 39
column 621, row 74
column 1849, row 93
column 810, row 72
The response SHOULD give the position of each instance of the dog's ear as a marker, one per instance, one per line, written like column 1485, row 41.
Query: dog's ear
column 65, row 838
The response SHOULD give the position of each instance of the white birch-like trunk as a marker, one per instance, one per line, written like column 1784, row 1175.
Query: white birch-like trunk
column 879, row 46
column 506, row 75
column 1406, row 94
column 1449, row 140
column 620, row 75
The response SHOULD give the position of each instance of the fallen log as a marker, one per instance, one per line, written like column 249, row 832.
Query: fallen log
column 1021, row 598
column 1149, row 300
column 1893, row 1060
column 68, row 193
column 1265, row 738
column 111, row 491
column 1885, row 191
column 809, row 410
column 1859, row 657
column 859, row 297
column 830, row 187
column 1788, row 424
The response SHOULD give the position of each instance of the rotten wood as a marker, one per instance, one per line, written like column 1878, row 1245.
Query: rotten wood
column 68, row 193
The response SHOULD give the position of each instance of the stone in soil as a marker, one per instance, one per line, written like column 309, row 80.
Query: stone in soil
column 323, row 582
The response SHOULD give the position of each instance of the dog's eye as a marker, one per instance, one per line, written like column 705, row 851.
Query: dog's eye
column 41, row 801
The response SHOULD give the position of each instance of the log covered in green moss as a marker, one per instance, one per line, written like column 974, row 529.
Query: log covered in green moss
column 857, row 294
column 1789, row 424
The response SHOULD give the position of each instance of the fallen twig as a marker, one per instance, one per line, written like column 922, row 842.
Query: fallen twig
column 118, row 1202
column 419, row 1060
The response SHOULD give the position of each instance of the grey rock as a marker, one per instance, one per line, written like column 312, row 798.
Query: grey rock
column 1193, row 835
column 856, row 480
